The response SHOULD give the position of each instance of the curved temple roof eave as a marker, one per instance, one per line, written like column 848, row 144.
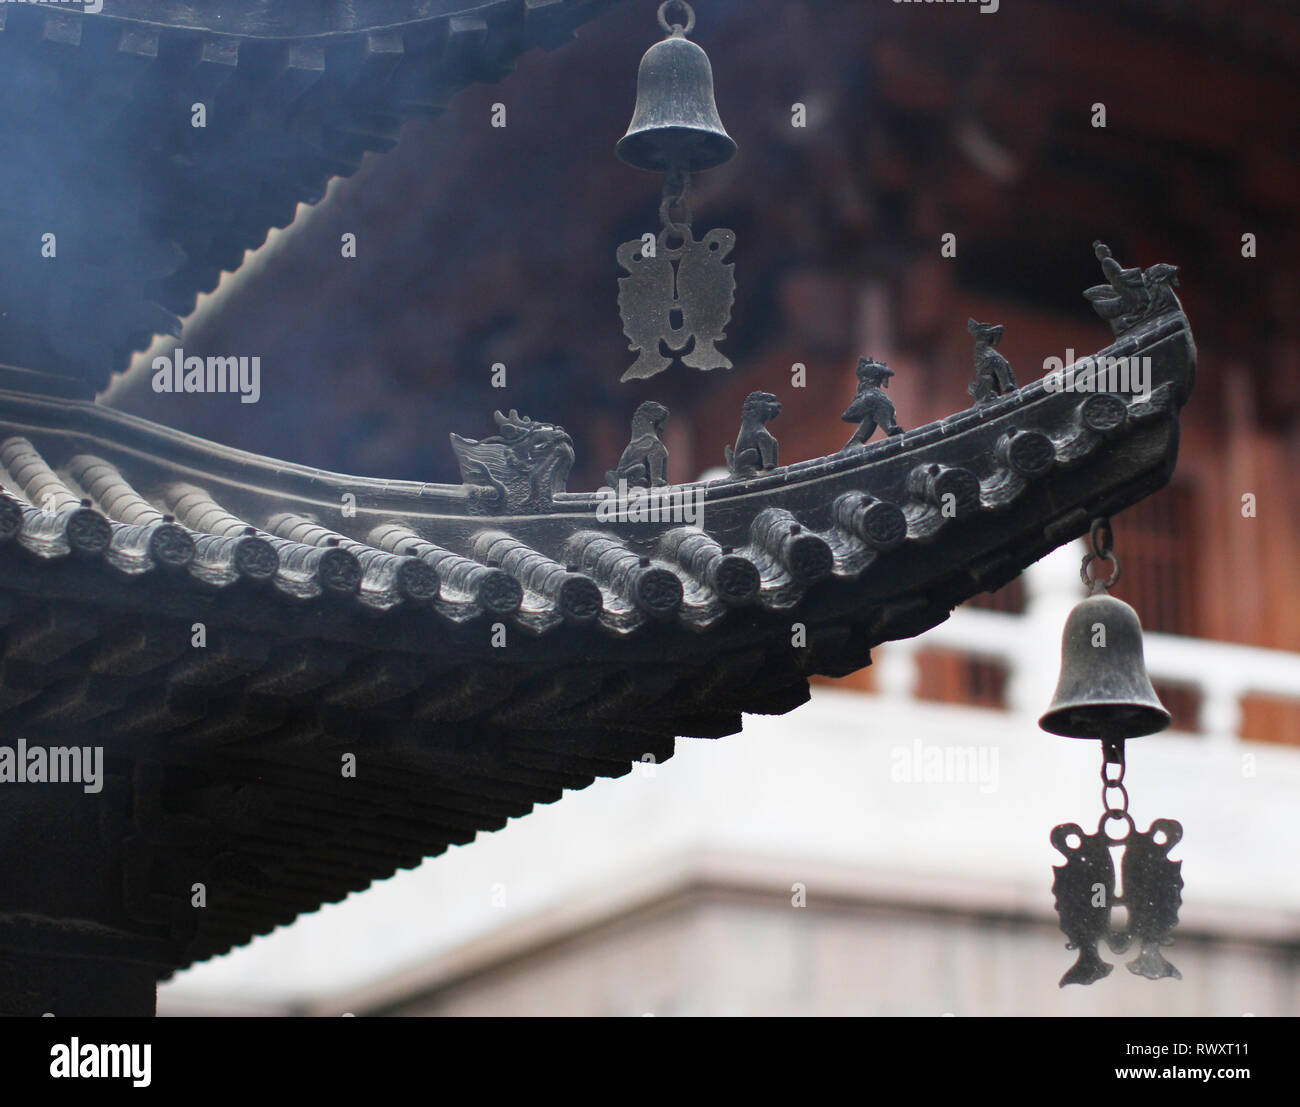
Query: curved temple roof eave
column 97, row 425
column 220, row 493
column 326, row 634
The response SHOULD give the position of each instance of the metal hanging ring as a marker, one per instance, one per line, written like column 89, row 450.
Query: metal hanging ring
column 1101, row 542
column 675, row 27
column 1115, row 814
column 1110, row 807
column 1101, row 546
column 1092, row 582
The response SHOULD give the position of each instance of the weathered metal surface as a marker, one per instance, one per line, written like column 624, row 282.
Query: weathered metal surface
column 691, row 282
column 1104, row 691
column 675, row 124
column 1086, row 896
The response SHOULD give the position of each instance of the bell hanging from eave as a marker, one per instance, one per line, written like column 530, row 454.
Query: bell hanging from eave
column 675, row 300
column 675, row 125
column 1104, row 691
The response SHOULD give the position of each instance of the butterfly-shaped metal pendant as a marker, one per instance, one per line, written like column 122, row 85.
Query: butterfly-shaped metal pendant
column 676, row 298
column 1084, row 888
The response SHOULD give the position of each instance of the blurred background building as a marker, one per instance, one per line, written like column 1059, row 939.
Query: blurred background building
column 883, row 849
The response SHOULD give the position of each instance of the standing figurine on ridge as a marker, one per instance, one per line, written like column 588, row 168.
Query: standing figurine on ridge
column 993, row 376
column 871, row 408
column 756, row 448
column 644, row 463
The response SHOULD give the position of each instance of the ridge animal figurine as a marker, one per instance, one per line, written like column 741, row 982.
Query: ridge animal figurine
column 871, row 408
column 993, row 375
column 756, row 448
column 644, row 464
column 519, row 469
column 1131, row 295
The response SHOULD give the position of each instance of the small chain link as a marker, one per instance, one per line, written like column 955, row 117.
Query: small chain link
column 677, row 187
column 1100, row 541
column 1102, row 538
column 1113, row 755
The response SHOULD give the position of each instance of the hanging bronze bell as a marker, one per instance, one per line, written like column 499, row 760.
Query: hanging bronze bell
column 675, row 124
column 1104, row 691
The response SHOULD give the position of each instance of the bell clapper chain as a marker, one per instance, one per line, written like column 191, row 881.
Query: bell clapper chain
column 1105, row 693
column 678, row 293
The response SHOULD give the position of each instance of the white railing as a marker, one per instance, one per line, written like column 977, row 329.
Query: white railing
column 1221, row 673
